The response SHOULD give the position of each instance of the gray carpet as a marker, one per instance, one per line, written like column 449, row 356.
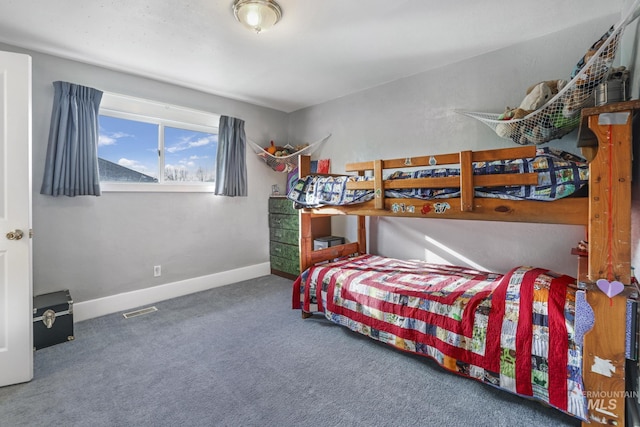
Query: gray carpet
column 239, row 356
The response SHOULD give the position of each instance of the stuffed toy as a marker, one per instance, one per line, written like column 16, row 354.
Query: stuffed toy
column 562, row 116
column 580, row 97
column 587, row 79
column 594, row 75
column 574, row 100
column 537, row 96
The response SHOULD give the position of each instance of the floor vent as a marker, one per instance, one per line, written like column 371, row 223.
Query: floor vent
column 140, row 312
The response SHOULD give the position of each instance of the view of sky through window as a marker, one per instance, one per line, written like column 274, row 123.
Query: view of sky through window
column 189, row 156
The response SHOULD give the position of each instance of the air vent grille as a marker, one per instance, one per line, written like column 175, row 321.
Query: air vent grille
column 140, row 312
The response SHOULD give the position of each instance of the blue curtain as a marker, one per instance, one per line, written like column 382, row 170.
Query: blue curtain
column 231, row 162
column 71, row 165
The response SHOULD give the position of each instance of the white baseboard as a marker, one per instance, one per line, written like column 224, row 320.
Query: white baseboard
column 112, row 304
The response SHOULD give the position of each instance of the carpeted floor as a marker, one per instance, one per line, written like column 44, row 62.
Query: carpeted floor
column 239, row 356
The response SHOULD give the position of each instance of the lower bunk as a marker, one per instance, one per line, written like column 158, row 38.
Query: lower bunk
column 521, row 331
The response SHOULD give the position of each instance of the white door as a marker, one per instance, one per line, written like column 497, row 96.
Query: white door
column 16, row 295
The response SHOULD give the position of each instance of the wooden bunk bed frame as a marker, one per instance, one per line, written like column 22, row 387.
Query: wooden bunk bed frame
column 606, row 138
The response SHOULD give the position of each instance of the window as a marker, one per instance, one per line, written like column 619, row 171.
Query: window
column 148, row 146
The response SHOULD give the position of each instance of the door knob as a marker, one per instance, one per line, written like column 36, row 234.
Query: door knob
column 15, row 235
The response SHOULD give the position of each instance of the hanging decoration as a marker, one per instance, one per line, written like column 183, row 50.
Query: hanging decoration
column 285, row 158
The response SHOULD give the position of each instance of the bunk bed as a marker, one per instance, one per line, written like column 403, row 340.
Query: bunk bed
column 592, row 314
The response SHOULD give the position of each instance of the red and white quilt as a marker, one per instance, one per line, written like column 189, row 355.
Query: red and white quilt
column 514, row 331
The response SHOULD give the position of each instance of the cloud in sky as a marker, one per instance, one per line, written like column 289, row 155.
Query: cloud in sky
column 131, row 164
column 189, row 142
column 111, row 138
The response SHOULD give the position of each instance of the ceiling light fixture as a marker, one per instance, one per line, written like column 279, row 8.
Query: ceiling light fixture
column 257, row 15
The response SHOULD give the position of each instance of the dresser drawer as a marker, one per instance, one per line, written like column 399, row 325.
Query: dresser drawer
column 284, row 251
column 284, row 235
column 291, row 266
column 281, row 205
column 283, row 221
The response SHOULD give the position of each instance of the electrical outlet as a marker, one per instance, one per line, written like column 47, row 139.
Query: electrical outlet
column 157, row 271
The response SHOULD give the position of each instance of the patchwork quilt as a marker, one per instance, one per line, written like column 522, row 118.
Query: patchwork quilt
column 560, row 174
column 512, row 331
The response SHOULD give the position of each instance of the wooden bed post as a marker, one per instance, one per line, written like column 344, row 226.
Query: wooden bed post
column 467, row 189
column 609, row 237
column 610, row 192
column 378, row 184
column 362, row 234
column 306, row 238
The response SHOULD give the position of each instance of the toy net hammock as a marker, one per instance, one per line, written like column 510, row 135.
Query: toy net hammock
column 289, row 162
column 561, row 114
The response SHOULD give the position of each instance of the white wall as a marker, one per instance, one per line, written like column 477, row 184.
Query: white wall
column 102, row 246
column 629, row 53
column 415, row 116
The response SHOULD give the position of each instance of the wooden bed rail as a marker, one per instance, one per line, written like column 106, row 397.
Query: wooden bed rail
column 569, row 210
column 466, row 182
column 309, row 256
column 446, row 159
column 328, row 254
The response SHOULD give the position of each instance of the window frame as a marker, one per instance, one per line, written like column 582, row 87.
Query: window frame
column 163, row 115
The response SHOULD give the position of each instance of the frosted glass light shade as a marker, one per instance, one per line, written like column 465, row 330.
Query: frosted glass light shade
column 257, row 15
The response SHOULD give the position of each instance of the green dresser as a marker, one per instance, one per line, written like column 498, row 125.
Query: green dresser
column 283, row 237
column 284, row 231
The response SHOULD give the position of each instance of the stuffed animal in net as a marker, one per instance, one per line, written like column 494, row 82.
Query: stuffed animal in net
column 594, row 75
column 580, row 95
column 536, row 97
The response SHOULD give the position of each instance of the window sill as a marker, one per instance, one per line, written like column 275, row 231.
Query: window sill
column 113, row 187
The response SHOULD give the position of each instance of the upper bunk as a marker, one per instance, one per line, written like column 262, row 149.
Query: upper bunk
column 453, row 173
column 600, row 152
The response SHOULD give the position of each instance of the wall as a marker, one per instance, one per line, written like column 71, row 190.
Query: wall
column 629, row 53
column 416, row 116
column 102, row 246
